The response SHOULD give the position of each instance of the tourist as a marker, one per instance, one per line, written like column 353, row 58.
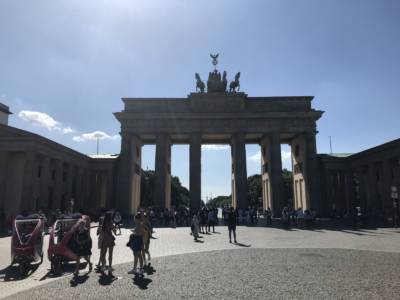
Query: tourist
column 232, row 224
column 82, row 246
column 136, row 244
column 146, row 239
column 99, row 233
column 210, row 220
column 203, row 221
column 268, row 216
column 195, row 227
column 117, row 221
column 107, row 242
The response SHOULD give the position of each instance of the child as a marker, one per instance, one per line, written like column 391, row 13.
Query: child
column 136, row 244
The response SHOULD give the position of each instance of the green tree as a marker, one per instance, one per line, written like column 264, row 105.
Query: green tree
column 254, row 190
column 179, row 194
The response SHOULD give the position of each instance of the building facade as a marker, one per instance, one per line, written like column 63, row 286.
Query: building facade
column 39, row 174
column 365, row 179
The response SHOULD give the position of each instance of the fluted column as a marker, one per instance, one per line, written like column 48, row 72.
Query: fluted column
column 58, row 184
column 195, row 172
column 162, row 189
column 3, row 186
column 45, row 182
column 129, row 173
column 239, row 171
column 272, row 173
column 313, row 187
column 29, row 188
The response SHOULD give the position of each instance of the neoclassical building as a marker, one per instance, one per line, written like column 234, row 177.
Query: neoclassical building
column 220, row 118
column 37, row 173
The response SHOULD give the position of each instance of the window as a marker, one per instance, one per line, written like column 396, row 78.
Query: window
column 39, row 173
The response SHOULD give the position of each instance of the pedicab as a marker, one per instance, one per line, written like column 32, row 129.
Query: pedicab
column 60, row 251
column 27, row 241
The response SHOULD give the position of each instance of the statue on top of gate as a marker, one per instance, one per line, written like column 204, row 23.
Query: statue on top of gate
column 216, row 83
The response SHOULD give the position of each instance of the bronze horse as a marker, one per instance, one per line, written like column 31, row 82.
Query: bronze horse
column 235, row 84
column 199, row 83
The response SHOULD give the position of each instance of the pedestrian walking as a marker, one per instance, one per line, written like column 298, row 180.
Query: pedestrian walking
column 146, row 239
column 211, row 221
column 232, row 224
column 107, row 242
column 82, row 246
column 195, row 227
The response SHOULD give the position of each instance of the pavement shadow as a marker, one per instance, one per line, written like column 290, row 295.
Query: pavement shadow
column 149, row 270
column 242, row 245
column 77, row 280
column 107, row 279
column 198, row 241
column 13, row 273
column 142, row 283
column 66, row 268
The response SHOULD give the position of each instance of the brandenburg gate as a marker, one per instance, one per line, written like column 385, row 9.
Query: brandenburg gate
column 220, row 116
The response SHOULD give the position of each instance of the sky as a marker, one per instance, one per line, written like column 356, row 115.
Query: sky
column 65, row 65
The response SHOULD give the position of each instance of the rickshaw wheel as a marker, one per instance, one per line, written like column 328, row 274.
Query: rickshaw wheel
column 56, row 265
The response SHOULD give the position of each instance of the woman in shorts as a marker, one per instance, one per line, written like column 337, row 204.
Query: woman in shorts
column 136, row 244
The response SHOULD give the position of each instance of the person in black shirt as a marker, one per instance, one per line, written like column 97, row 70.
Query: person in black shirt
column 232, row 224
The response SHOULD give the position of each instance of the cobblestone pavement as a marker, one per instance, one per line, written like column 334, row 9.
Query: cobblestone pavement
column 178, row 241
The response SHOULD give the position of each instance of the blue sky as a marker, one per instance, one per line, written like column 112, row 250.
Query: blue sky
column 66, row 64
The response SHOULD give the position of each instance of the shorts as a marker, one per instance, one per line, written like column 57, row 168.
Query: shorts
column 137, row 243
column 232, row 227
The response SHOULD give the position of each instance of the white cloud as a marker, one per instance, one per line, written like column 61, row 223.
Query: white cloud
column 286, row 156
column 68, row 130
column 215, row 147
column 93, row 136
column 39, row 119
column 255, row 157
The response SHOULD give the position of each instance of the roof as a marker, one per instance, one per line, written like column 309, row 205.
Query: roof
column 4, row 108
column 337, row 154
column 103, row 156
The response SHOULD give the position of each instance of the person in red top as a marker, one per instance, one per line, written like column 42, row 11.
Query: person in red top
column 106, row 241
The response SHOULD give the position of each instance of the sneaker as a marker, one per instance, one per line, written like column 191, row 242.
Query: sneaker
column 133, row 271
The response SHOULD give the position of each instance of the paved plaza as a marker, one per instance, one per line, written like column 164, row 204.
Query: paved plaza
column 267, row 262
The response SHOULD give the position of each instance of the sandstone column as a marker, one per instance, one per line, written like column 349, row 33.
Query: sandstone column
column 195, row 172
column 129, row 173
column 313, row 187
column 162, row 189
column 272, row 173
column 3, row 186
column 45, row 182
column 29, row 187
column 58, row 184
column 239, row 171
